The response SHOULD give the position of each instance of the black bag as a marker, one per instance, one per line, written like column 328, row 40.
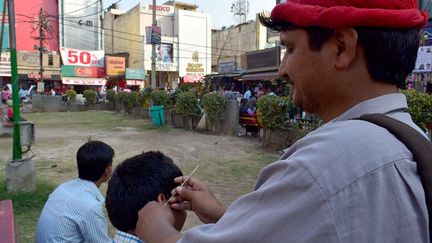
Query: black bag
column 420, row 147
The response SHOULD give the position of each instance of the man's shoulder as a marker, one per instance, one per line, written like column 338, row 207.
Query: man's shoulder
column 340, row 153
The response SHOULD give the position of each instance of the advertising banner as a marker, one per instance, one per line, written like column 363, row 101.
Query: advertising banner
column 84, row 72
column 424, row 59
column 83, row 58
column 115, row 66
column 164, row 53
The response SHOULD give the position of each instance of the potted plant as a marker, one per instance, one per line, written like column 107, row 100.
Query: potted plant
column 70, row 95
column 187, row 105
column 272, row 112
column 214, row 106
column 420, row 108
column 90, row 97
column 110, row 94
column 130, row 101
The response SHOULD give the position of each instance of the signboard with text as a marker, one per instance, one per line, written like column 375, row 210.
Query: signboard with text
column 160, row 9
column 84, row 81
column 115, row 66
column 84, row 72
column 135, row 74
column 75, row 57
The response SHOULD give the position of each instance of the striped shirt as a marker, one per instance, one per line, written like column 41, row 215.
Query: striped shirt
column 73, row 213
column 123, row 237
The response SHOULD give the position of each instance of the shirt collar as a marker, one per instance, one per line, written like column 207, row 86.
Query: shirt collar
column 381, row 104
column 93, row 189
column 123, row 237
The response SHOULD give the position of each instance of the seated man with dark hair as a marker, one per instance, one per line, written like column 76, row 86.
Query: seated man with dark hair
column 74, row 210
column 135, row 182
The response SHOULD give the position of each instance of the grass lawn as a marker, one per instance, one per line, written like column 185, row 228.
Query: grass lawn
column 27, row 207
column 229, row 165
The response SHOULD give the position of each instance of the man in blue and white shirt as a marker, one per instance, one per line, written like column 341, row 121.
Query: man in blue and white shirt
column 73, row 212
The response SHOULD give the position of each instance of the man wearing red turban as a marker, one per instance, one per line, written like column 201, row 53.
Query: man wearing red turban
column 347, row 181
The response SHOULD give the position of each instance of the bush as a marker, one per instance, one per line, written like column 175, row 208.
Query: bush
column 131, row 100
column 214, row 105
column 172, row 100
column 159, row 97
column 110, row 94
column 70, row 94
column 120, row 98
column 187, row 104
column 90, row 96
column 272, row 111
column 419, row 107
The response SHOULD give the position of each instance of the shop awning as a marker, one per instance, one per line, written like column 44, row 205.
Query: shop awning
column 261, row 76
column 84, row 81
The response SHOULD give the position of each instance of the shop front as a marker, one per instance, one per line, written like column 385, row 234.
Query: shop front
column 30, row 70
column 79, row 78
column 83, row 69
column 135, row 79
column 262, row 71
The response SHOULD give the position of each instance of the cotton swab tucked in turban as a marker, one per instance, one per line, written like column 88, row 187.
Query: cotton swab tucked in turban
column 335, row 14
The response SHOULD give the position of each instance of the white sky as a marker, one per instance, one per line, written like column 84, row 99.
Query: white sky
column 219, row 10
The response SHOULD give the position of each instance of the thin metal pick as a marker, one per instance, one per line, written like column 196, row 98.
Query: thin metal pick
column 184, row 182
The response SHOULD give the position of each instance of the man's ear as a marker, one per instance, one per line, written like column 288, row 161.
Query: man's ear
column 346, row 40
column 161, row 198
column 108, row 171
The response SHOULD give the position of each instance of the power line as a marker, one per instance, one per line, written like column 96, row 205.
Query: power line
column 81, row 8
column 102, row 10
column 141, row 36
column 176, row 42
column 141, row 42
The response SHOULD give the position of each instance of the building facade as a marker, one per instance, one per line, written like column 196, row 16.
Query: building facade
column 37, row 23
column 80, row 24
column 184, row 52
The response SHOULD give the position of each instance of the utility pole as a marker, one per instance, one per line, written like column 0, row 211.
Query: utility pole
column 153, row 60
column 17, row 153
column 42, row 25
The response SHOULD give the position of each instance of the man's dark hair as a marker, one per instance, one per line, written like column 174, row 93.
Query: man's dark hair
column 134, row 183
column 92, row 159
column 390, row 53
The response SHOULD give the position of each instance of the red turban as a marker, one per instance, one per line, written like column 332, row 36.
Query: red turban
column 335, row 14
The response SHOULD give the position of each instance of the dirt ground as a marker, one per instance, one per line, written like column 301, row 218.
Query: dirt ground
column 228, row 164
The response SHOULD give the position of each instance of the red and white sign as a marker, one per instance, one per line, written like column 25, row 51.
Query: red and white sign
column 135, row 82
column 85, row 81
column 83, row 58
column 160, row 9
column 89, row 72
column 192, row 79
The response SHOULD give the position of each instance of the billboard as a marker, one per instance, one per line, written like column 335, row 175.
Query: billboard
column 115, row 66
column 424, row 59
column 84, row 58
column 164, row 53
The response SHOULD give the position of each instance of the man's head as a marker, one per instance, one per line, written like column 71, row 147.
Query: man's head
column 343, row 39
column 94, row 160
column 137, row 181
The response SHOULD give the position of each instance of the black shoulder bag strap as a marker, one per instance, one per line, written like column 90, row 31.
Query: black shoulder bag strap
column 420, row 147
